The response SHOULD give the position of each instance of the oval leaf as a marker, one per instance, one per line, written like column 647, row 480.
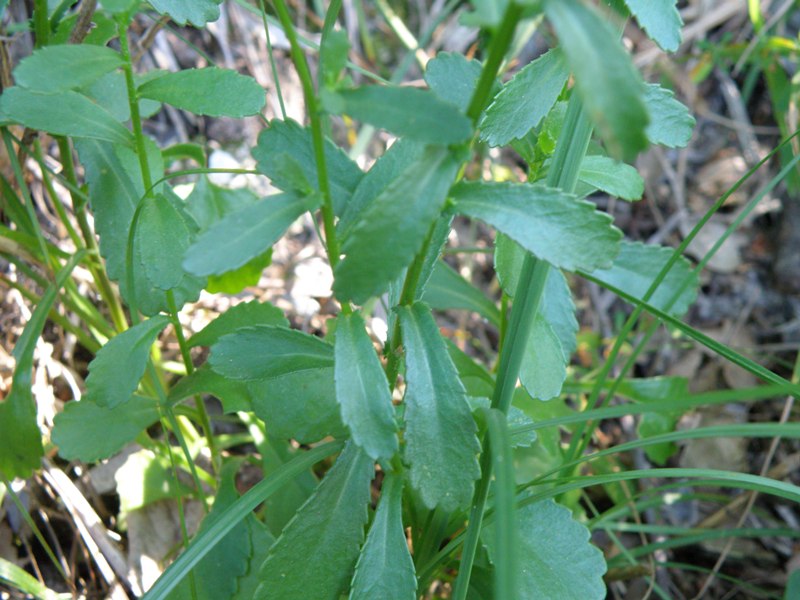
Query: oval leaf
column 670, row 124
column 65, row 67
column 613, row 177
column 164, row 240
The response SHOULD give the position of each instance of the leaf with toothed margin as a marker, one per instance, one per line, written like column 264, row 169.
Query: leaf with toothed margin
column 612, row 177
column 660, row 19
column 196, row 12
column 670, row 125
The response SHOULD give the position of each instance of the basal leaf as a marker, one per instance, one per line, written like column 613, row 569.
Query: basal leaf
column 165, row 240
column 552, row 225
column 516, row 109
column 210, row 91
column 613, row 177
column 446, row 289
column 264, row 351
column 115, row 372
column 246, row 314
column 556, row 559
column 65, row 113
column 243, row 235
column 362, row 390
column 441, row 445
column 289, row 138
column 608, row 84
column 452, row 77
column 403, row 111
column 660, row 19
column 385, row 569
column 315, row 555
column 299, row 405
column 670, row 124
column 21, row 450
column 544, row 367
column 65, row 67
column 393, row 227
column 636, row 267
column 196, row 12
column 89, row 432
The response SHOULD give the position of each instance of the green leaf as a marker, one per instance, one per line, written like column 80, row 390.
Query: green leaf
column 556, row 559
column 446, row 289
column 403, row 111
column 115, row 372
column 544, row 368
column 392, row 228
column 605, row 78
column 289, row 138
column 524, row 438
column 660, row 19
column 234, row 395
column 552, row 225
column 362, row 390
column 65, row 67
column 635, row 268
column 210, row 91
column 16, row 577
column 399, row 157
column 441, row 445
column 167, row 239
column 209, row 203
column 196, row 12
column 453, row 78
column 245, row 314
column 333, row 56
column 670, row 124
column 613, row 177
column 261, row 541
column 119, row 6
column 111, row 93
column 88, row 432
column 248, row 275
column 243, row 235
column 385, row 569
column 264, row 351
column 299, row 405
column 65, row 113
column 315, row 555
column 477, row 381
column 793, row 585
column 515, row 110
column 216, row 575
column 21, row 450
column 146, row 478
column 487, row 13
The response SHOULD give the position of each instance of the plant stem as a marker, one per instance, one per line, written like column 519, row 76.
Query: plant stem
column 571, row 148
column 317, row 135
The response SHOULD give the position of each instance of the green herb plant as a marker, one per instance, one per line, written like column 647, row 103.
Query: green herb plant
column 446, row 441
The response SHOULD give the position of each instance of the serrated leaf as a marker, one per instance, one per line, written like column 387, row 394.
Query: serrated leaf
column 403, row 111
column 635, row 268
column 57, row 68
column 544, row 367
column 233, row 95
column 556, row 559
column 516, row 110
column 299, row 405
column 246, row 314
column 385, row 569
column 233, row 394
column 65, row 113
column 289, row 138
column 392, row 228
column 446, row 289
column 452, row 77
column 166, row 240
column 88, row 432
column 21, row 450
column 264, row 351
column 216, row 575
column 400, row 156
column 552, row 225
column 261, row 541
column 362, row 390
column 196, row 12
column 660, row 19
column 613, row 177
column 441, row 445
column 243, row 235
column 115, row 372
column 315, row 555
column 605, row 78
column 670, row 125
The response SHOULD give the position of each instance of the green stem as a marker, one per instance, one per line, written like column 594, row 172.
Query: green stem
column 41, row 23
column 272, row 65
column 563, row 173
